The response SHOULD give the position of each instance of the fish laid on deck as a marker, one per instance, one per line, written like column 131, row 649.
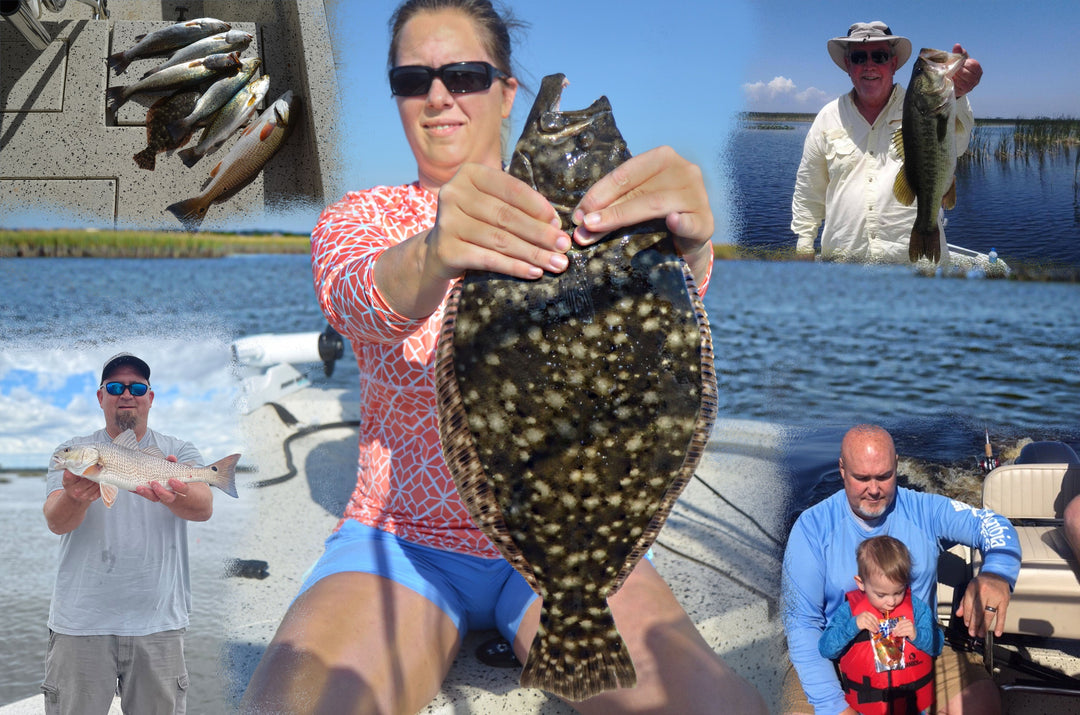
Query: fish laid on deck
column 235, row 114
column 162, row 113
column 122, row 464
column 180, row 76
column 215, row 97
column 573, row 409
column 167, row 39
column 256, row 145
column 226, row 42
column 926, row 143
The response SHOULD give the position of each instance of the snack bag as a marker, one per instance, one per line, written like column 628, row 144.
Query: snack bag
column 888, row 651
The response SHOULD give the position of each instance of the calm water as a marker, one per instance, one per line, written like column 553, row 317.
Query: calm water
column 812, row 346
column 1025, row 208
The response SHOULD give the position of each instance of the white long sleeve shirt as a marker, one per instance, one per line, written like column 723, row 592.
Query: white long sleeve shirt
column 846, row 177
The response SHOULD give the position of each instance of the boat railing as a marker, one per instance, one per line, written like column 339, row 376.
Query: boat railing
column 25, row 17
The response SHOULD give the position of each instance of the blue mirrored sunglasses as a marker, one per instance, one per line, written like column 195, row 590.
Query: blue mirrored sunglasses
column 137, row 389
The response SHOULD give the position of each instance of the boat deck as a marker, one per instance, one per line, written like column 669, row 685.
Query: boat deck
column 719, row 557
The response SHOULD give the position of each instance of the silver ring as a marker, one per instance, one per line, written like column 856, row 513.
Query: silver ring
column 991, row 609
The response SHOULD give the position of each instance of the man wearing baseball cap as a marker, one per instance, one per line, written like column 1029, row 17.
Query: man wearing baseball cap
column 122, row 596
column 848, row 164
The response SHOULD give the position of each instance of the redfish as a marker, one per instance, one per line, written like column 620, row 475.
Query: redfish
column 122, row 464
column 256, row 145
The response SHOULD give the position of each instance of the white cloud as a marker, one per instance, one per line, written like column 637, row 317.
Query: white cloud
column 782, row 94
column 812, row 96
column 195, row 395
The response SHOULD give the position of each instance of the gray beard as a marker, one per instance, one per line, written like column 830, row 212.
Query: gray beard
column 126, row 421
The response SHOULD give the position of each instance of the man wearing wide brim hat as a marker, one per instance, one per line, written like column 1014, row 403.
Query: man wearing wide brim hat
column 862, row 33
column 848, row 166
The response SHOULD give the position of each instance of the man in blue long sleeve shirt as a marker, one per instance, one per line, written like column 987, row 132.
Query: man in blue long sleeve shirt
column 820, row 558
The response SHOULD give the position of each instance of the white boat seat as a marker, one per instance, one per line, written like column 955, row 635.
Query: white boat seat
column 1046, row 599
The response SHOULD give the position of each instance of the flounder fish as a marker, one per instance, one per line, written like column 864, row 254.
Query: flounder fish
column 574, row 409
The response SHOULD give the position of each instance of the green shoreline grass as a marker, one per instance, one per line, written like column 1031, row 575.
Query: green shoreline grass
column 174, row 244
column 170, row 244
column 143, row 244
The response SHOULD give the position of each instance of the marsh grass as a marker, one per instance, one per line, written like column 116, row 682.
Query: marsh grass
column 142, row 244
column 1030, row 139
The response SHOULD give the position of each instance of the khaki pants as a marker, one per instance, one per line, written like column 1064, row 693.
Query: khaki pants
column 953, row 671
column 83, row 673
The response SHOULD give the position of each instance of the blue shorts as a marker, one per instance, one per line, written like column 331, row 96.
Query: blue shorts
column 476, row 593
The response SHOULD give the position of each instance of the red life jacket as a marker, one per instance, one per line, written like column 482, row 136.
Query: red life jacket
column 906, row 691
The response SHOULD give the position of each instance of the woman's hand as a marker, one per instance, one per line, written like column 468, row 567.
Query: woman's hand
column 489, row 220
column 656, row 184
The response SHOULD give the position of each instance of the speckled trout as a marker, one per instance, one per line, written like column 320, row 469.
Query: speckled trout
column 926, row 142
column 121, row 464
column 167, row 39
column 573, row 409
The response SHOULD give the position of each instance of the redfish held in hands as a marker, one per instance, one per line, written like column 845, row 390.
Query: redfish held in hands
column 122, row 464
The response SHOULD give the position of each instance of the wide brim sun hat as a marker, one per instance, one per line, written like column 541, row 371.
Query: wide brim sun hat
column 862, row 32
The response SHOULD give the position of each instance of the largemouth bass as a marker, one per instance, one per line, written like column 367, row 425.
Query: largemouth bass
column 573, row 409
column 186, row 75
column 926, row 141
column 256, row 145
column 121, row 464
column 166, row 40
column 235, row 114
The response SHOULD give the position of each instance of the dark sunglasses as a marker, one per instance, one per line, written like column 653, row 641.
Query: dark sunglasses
column 137, row 389
column 880, row 57
column 459, row 78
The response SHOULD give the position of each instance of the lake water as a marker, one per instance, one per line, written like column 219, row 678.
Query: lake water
column 1025, row 208
column 815, row 347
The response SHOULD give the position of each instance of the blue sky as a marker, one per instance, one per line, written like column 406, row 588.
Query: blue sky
column 1030, row 64
column 48, row 393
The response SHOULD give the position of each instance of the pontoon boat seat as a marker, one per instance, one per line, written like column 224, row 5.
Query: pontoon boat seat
column 1046, row 600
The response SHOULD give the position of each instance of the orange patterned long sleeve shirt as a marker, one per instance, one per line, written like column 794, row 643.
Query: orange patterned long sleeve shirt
column 403, row 485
